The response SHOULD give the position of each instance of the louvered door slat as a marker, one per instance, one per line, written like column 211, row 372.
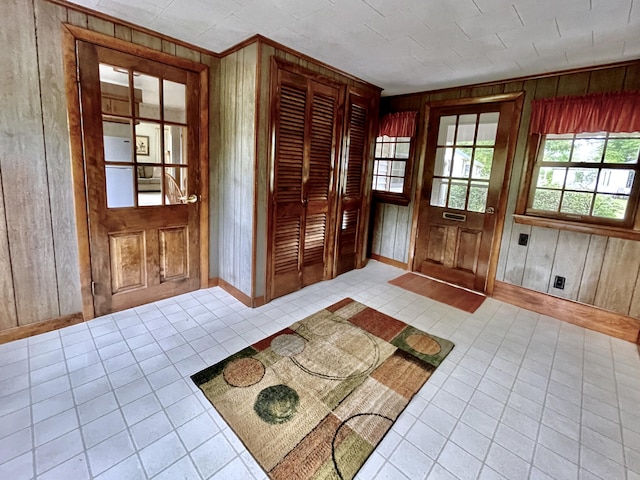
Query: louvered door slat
column 355, row 160
column 349, row 232
column 320, row 161
column 287, row 244
column 290, row 145
column 314, row 239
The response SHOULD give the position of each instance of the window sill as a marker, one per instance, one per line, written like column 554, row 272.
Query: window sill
column 591, row 229
column 393, row 198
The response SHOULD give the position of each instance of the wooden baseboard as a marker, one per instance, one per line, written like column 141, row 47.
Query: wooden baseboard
column 237, row 294
column 32, row 329
column 587, row 316
column 390, row 261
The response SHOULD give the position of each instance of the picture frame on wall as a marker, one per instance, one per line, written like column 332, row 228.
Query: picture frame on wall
column 142, row 145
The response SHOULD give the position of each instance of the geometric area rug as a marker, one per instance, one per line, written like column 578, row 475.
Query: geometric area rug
column 313, row 400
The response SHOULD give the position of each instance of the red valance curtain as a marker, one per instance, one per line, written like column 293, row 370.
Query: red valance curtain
column 598, row 112
column 399, row 124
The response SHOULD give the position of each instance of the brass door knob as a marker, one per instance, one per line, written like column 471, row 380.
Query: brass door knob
column 193, row 198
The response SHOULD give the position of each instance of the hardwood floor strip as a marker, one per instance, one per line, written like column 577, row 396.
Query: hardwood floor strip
column 439, row 291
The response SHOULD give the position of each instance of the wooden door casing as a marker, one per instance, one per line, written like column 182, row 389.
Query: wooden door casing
column 138, row 254
column 306, row 122
column 454, row 245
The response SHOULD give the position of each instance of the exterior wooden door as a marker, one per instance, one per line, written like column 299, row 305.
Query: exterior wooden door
column 305, row 122
column 141, row 149
column 463, row 189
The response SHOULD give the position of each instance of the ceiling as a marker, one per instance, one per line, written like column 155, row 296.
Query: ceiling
column 408, row 46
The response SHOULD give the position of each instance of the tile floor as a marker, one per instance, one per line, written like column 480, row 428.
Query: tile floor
column 522, row 396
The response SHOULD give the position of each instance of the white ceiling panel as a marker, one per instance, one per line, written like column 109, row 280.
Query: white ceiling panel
column 408, row 45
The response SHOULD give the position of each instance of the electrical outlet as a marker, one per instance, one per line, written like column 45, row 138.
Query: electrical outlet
column 523, row 239
column 558, row 282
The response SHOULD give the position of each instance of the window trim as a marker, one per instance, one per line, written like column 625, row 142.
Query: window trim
column 396, row 198
column 629, row 228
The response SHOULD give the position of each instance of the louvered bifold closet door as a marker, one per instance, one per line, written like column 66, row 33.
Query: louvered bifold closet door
column 319, row 197
column 304, row 169
column 354, row 170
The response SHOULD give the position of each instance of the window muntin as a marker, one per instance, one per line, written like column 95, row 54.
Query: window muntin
column 586, row 176
column 392, row 167
column 464, row 157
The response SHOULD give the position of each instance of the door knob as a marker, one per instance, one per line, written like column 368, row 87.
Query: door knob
column 490, row 210
column 193, row 198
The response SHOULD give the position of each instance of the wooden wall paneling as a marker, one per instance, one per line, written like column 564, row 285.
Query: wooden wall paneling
column 401, row 242
column 573, row 84
column 146, row 40
column 592, row 269
column 540, row 258
column 517, row 175
column 214, row 142
column 246, row 163
column 606, row 80
column 56, row 132
column 618, row 276
column 124, row 33
column 516, row 255
column 570, row 257
column 77, row 18
column 101, row 26
column 546, row 87
column 634, row 308
column 8, row 314
column 184, row 52
column 170, row 48
column 24, row 171
column 377, row 227
column 632, row 77
column 388, row 239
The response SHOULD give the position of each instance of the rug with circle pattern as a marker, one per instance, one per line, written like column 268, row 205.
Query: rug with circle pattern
column 313, row 400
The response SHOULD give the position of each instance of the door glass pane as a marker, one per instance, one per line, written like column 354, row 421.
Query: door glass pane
column 482, row 162
column 114, row 89
column 175, row 102
column 149, row 185
column 147, row 95
column 175, row 144
column 439, row 192
column 175, row 179
column 462, row 162
column 478, row 196
column 466, row 129
column 444, row 157
column 148, row 144
column 117, row 141
column 447, row 130
column 458, row 194
column 119, row 186
column 487, row 128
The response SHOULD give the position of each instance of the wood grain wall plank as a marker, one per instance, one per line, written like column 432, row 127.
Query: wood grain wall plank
column 606, row 80
column 77, row 18
column 516, row 255
column 170, row 48
column 123, row 33
column 573, row 84
column 618, row 276
column 187, row 53
column 8, row 314
column 378, row 225
column 401, row 242
column 632, row 77
column 146, row 40
column 634, row 309
column 101, row 26
column 388, row 240
column 592, row 269
column 24, row 170
column 546, row 87
column 56, row 131
column 570, row 258
column 540, row 258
